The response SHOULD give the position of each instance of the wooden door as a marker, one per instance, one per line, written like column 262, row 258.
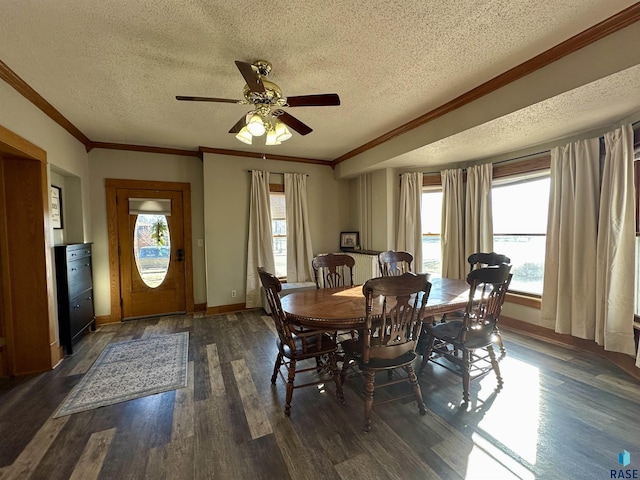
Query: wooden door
column 151, row 256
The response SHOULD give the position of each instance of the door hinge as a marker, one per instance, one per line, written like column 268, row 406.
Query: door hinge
column 118, row 250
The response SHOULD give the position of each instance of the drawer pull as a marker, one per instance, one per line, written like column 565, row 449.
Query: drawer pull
column 74, row 269
column 86, row 264
column 77, row 305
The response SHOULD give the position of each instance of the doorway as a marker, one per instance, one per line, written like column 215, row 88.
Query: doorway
column 28, row 327
column 149, row 248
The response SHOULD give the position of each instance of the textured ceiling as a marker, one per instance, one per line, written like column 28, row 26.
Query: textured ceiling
column 113, row 68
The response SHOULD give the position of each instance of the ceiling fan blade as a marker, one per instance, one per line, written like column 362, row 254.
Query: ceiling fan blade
column 238, row 126
column 250, row 76
column 293, row 122
column 322, row 100
column 206, row 99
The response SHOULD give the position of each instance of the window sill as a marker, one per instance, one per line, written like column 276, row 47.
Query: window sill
column 524, row 299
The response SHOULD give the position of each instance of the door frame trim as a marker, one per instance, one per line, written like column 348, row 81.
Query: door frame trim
column 111, row 186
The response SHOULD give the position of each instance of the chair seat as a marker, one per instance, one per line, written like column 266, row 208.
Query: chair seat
column 450, row 331
column 353, row 348
column 308, row 347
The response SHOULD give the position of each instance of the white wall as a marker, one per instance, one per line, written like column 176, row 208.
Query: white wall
column 141, row 166
column 226, row 212
column 65, row 154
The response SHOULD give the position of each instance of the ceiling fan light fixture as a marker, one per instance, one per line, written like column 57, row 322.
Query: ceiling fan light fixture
column 245, row 136
column 272, row 138
column 282, row 132
column 255, row 125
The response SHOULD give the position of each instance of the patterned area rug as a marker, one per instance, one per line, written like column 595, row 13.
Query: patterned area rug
column 129, row 370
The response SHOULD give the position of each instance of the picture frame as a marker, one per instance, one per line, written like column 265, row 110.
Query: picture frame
column 56, row 207
column 349, row 240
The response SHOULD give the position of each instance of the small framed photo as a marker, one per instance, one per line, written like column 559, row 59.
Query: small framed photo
column 349, row 240
column 56, row 207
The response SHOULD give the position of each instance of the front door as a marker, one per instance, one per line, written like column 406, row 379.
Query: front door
column 151, row 252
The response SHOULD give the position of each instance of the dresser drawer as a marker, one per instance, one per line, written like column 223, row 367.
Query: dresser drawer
column 80, row 312
column 79, row 276
column 75, row 252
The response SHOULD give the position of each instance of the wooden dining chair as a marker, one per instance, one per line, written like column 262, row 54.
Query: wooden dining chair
column 296, row 345
column 393, row 263
column 465, row 346
column 480, row 260
column 333, row 270
column 388, row 341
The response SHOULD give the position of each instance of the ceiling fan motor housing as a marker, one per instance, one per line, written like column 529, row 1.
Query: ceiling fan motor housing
column 272, row 95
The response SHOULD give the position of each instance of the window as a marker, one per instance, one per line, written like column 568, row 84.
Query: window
column 279, row 231
column 520, row 209
column 636, row 178
column 431, row 224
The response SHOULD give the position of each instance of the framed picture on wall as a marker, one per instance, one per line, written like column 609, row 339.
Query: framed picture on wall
column 56, row 207
column 349, row 240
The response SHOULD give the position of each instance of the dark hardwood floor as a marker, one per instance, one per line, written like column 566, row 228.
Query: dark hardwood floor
column 562, row 414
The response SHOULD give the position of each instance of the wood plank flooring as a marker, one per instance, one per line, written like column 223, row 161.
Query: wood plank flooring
column 562, row 414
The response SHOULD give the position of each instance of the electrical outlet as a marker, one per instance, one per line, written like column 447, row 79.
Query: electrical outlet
column 233, row 293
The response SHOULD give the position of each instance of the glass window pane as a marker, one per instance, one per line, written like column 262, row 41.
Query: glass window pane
column 521, row 207
column 527, row 260
column 279, row 231
column 152, row 248
column 520, row 211
column 431, row 224
column 432, row 212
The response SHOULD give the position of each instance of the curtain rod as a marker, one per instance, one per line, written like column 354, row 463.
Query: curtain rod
column 276, row 173
column 492, row 163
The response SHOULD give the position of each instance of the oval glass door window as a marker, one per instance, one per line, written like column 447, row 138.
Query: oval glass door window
column 152, row 248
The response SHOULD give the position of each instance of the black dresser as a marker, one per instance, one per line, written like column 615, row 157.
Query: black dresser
column 75, row 292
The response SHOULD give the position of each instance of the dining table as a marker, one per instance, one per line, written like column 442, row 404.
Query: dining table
column 343, row 308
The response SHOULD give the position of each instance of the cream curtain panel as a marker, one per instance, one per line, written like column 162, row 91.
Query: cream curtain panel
column 616, row 246
column 454, row 262
column 568, row 295
column 299, row 250
column 409, row 237
column 478, row 230
column 260, row 242
column 589, row 262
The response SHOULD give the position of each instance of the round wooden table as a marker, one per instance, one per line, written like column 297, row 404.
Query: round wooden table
column 342, row 308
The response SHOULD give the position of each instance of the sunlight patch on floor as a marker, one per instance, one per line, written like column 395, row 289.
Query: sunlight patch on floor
column 514, row 416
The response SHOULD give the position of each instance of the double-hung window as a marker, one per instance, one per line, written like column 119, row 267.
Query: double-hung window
column 520, row 210
column 279, row 231
column 431, row 225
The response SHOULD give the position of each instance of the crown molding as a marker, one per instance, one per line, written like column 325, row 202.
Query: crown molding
column 612, row 24
column 145, row 148
column 34, row 97
column 285, row 158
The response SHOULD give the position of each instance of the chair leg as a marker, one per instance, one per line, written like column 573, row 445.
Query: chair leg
column 370, row 378
column 345, row 368
column 413, row 379
column 496, row 332
column 426, row 354
column 276, row 368
column 335, row 373
column 494, row 364
column 292, row 374
column 466, row 375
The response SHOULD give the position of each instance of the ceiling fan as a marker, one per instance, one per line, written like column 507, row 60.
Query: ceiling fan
column 267, row 100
